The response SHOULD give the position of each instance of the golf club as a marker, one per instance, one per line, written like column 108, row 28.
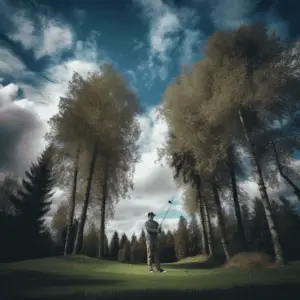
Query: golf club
column 171, row 203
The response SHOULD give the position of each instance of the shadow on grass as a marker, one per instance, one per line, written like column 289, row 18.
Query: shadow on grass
column 13, row 282
column 210, row 263
column 272, row 292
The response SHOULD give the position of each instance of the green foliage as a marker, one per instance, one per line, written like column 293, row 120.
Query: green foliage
column 114, row 246
column 33, row 200
column 181, row 239
column 8, row 186
column 194, row 237
column 91, row 241
column 124, row 252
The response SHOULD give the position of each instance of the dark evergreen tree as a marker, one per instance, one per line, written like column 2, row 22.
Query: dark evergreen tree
column 114, row 246
column 133, row 239
column 91, row 242
column 181, row 239
column 143, row 247
column 135, row 252
column 32, row 202
column 106, row 247
column 194, row 237
column 123, row 240
column 168, row 248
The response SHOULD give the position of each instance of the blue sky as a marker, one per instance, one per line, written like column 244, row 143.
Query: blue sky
column 43, row 42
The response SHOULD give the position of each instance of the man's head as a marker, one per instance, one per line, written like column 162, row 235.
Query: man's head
column 151, row 215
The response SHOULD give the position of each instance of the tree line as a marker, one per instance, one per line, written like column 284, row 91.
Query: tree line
column 239, row 100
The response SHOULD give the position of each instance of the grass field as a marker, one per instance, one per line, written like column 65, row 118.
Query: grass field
column 81, row 277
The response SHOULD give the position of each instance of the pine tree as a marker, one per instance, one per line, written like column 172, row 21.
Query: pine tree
column 123, row 240
column 124, row 249
column 181, row 238
column 106, row 247
column 194, row 236
column 133, row 239
column 91, row 242
column 168, row 248
column 114, row 246
column 135, row 252
column 32, row 200
column 143, row 247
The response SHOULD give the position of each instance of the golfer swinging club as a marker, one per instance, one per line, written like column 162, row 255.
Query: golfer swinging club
column 152, row 242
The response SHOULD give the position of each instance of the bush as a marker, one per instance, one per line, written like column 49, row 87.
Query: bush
column 249, row 260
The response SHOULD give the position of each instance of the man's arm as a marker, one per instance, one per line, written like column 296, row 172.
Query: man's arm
column 158, row 227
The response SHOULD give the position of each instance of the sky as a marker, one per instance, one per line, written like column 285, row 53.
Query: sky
column 43, row 42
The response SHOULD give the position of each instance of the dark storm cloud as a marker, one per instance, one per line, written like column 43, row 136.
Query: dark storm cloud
column 18, row 133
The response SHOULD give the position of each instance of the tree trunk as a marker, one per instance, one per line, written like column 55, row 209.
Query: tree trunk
column 289, row 181
column 72, row 204
column 82, row 220
column 221, row 220
column 264, row 196
column 203, row 231
column 202, row 217
column 237, row 208
column 208, row 227
column 103, row 207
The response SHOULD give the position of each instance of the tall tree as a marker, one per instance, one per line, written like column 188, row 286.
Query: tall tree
column 8, row 186
column 59, row 223
column 181, row 238
column 33, row 199
column 72, row 203
column 90, row 241
column 194, row 236
column 143, row 247
column 114, row 246
column 238, row 214
column 242, row 85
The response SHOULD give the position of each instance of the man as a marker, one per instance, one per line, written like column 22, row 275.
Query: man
column 152, row 242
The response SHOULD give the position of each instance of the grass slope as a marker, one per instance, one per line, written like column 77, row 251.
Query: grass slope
column 80, row 277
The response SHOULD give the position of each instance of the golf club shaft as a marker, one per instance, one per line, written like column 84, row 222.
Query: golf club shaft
column 165, row 214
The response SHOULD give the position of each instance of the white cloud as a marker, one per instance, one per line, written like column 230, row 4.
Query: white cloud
column 166, row 25
column 192, row 39
column 9, row 63
column 44, row 36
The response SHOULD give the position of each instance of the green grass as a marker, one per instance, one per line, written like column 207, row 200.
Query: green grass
column 80, row 277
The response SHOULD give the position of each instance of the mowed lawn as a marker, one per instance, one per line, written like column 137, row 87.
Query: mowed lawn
column 80, row 277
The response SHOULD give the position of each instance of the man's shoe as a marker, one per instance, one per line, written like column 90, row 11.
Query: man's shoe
column 162, row 271
column 151, row 270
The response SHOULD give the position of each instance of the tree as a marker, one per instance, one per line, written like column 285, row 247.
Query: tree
column 114, row 246
column 135, row 252
column 232, row 157
column 106, row 248
column 124, row 249
column 143, row 247
column 105, row 108
column 235, row 91
column 8, row 186
column 194, row 236
column 193, row 203
column 72, row 203
column 59, row 223
column 168, row 248
column 33, row 200
column 91, row 241
column 181, row 239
